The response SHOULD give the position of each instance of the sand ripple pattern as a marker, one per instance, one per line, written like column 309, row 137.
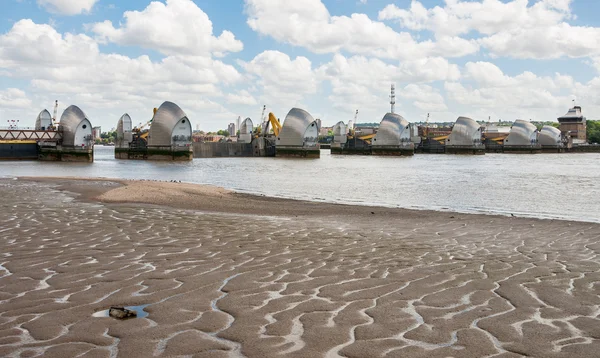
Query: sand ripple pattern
column 232, row 286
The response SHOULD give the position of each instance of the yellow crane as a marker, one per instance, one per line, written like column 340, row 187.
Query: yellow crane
column 367, row 137
column 274, row 124
column 140, row 128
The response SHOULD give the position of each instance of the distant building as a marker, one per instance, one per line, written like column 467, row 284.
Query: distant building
column 318, row 120
column 231, row 129
column 325, row 131
column 574, row 123
column 96, row 132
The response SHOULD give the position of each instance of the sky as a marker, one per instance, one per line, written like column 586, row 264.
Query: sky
column 220, row 59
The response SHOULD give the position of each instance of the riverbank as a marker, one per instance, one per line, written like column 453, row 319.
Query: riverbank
column 226, row 274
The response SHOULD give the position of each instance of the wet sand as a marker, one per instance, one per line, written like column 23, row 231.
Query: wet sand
column 295, row 279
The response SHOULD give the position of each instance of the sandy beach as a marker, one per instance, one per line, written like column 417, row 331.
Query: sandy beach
column 222, row 274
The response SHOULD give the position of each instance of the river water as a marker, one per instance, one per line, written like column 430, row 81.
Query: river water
column 565, row 186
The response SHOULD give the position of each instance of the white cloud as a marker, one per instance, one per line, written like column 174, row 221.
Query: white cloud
column 14, row 98
column 545, row 42
column 510, row 29
column 372, row 72
column 284, row 81
column 39, row 44
column 70, row 68
column 242, row 97
column 309, row 24
column 178, row 27
column 68, row 7
column 424, row 97
column 360, row 82
column 487, row 17
column 523, row 96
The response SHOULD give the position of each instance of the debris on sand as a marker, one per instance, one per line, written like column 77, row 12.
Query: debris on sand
column 121, row 313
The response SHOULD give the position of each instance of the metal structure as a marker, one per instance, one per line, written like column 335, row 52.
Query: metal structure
column 170, row 127
column 393, row 131
column 393, row 99
column 551, row 137
column 340, row 134
column 29, row 135
column 55, row 110
column 43, row 122
column 465, row 137
column 262, row 115
column 350, row 128
column 274, row 124
column 76, row 128
column 523, row 136
column 124, row 131
column 299, row 135
column 246, row 129
column 393, row 137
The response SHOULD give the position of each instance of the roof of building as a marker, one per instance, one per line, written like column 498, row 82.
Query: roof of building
column 573, row 113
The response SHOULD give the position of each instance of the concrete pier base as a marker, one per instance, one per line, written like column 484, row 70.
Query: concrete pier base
column 522, row 149
column 65, row 154
column 392, row 151
column 298, row 152
column 350, row 151
column 479, row 150
column 160, row 154
column 553, row 149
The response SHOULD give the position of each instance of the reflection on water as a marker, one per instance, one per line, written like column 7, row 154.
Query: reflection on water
column 544, row 185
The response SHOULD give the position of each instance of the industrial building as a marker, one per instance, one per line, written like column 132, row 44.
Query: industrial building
column 299, row 136
column 393, row 137
column 523, row 138
column 465, row 137
column 96, row 132
column 231, row 129
column 573, row 124
column 168, row 138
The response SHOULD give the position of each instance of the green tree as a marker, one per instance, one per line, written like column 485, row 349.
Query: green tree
column 593, row 131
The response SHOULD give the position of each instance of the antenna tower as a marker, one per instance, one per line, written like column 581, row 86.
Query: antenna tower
column 393, row 99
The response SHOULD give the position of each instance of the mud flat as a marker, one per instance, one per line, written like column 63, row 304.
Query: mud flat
column 293, row 279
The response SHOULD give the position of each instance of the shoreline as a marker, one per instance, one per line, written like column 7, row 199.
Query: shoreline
column 211, row 198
